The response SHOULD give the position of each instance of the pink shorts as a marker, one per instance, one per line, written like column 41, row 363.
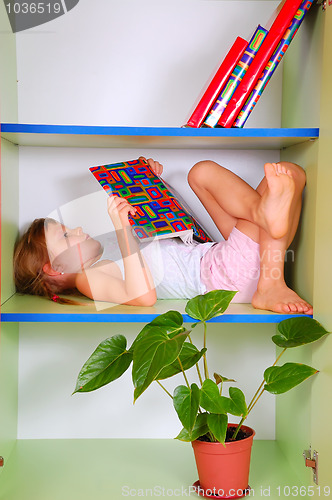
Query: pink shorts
column 232, row 264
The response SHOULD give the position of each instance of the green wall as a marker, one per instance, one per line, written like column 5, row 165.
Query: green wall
column 8, row 388
column 307, row 102
column 322, row 353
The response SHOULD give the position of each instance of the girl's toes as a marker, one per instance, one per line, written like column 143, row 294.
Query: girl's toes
column 285, row 308
column 292, row 307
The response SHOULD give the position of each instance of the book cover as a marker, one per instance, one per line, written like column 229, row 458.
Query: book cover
column 272, row 65
column 266, row 50
column 236, row 76
column 160, row 212
column 217, row 83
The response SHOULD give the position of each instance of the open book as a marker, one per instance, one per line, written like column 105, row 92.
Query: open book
column 160, row 212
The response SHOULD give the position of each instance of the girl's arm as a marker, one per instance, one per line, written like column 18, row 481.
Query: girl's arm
column 137, row 287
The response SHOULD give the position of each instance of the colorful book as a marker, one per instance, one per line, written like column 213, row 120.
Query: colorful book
column 266, row 50
column 271, row 66
column 160, row 211
column 217, row 83
column 235, row 78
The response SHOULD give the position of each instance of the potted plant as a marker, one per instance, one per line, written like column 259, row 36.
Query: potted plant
column 163, row 348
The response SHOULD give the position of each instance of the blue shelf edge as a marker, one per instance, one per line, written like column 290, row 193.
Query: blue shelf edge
column 22, row 128
column 136, row 318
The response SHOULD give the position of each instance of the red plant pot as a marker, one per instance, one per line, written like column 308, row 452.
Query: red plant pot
column 223, row 471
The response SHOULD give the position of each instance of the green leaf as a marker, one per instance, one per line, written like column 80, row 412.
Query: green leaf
column 220, row 379
column 152, row 353
column 238, row 405
column 218, row 426
column 189, row 356
column 211, row 399
column 294, row 332
column 186, row 404
column 281, row 379
column 205, row 307
column 171, row 323
column 200, row 428
column 107, row 363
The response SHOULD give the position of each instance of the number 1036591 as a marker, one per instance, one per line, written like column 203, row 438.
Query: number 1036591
column 33, row 8
column 303, row 491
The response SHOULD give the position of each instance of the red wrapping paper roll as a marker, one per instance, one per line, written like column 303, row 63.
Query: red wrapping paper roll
column 217, row 83
column 249, row 80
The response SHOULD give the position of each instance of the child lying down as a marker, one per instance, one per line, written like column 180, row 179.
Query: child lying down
column 257, row 226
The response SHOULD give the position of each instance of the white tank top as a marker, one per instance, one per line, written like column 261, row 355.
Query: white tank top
column 174, row 265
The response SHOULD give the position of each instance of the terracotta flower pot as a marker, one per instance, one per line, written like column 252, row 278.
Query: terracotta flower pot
column 223, row 471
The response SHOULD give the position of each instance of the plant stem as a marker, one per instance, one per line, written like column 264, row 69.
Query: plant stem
column 253, row 402
column 255, row 399
column 185, row 377
column 238, row 428
column 255, row 395
column 259, row 395
column 197, row 366
column 170, row 395
column 206, row 371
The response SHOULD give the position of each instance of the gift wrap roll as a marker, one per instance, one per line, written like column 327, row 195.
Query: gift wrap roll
column 272, row 64
column 269, row 45
column 236, row 77
column 218, row 82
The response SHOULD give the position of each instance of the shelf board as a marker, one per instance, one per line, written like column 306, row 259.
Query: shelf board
column 155, row 137
column 26, row 308
column 57, row 469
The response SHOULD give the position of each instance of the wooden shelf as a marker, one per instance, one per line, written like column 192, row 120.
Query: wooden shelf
column 58, row 469
column 26, row 308
column 155, row 137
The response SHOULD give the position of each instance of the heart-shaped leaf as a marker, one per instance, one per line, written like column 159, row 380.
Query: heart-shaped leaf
column 209, row 305
column 171, row 322
column 200, row 429
column 186, row 404
column 238, row 405
column 151, row 354
column 189, row 356
column 294, row 332
column 218, row 426
column 107, row 363
column 280, row 379
column 211, row 400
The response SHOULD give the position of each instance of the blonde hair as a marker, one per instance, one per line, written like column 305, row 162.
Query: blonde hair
column 30, row 256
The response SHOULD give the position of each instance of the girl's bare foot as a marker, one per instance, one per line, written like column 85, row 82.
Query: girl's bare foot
column 276, row 200
column 281, row 299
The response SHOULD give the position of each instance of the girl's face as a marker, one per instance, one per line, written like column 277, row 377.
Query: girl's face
column 70, row 250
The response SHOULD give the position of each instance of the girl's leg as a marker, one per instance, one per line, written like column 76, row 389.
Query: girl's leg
column 272, row 292
column 223, row 192
column 227, row 197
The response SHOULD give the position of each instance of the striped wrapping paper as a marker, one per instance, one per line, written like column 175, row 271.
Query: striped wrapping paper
column 272, row 64
column 236, row 77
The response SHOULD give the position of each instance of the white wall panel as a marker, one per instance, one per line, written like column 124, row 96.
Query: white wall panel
column 134, row 63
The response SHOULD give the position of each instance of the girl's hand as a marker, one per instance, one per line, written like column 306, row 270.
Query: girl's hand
column 118, row 209
column 155, row 166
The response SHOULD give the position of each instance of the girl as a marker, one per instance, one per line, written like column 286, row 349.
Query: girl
column 257, row 225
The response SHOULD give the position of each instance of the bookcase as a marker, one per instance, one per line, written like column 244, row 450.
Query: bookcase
column 57, row 446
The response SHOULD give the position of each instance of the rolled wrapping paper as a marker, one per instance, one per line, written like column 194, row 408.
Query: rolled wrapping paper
column 217, row 83
column 272, row 64
column 235, row 78
column 250, row 78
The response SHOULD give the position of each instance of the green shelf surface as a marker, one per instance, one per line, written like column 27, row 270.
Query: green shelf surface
column 85, row 469
column 26, row 308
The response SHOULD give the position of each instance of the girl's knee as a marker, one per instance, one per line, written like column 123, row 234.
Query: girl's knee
column 200, row 172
